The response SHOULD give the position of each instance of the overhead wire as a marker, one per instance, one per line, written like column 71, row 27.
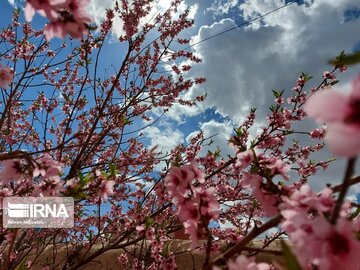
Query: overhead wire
column 248, row 22
column 242, row 24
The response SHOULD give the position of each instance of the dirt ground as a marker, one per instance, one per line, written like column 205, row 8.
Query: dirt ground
column 185, row 260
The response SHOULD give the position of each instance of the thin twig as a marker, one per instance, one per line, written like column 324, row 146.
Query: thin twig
column 237, row 248
column 345, row 186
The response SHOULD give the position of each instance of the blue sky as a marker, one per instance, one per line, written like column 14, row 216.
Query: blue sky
column 244, row 65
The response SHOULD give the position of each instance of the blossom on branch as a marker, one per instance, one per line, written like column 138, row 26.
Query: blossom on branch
column 326, row 246
column 243, row 263
column 341, row 112
column 196, row 205
column 316, row 241
column 6, row 76
column 66, row 16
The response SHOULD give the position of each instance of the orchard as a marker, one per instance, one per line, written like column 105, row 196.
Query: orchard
column 71, row 128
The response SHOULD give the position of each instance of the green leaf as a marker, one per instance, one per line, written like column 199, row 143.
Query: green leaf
column 238, row 131
column 92, row 27
column 289, row 260
column 334, row 82
column 81, row 176
column 355, row 214
column 276, row 93
column 176, row 162
column 22, row 265
column 306, row 76
column 149, row 222
column 112, row 169
column 165, row 249
column 344, row 59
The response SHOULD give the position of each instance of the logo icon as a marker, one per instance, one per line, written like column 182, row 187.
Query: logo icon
column 38, row 212
column 18, row 210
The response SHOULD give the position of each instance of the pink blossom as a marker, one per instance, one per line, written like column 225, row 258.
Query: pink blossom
column 191, row 228
column 196, row 205
column 198, row 174
column 305, row 199
column 60, row 29
column 45, row 8
column 6, row 76
column 177, row 182
column 47, row 167
column 328, row 75
column 277, row 166
column 318, row 133
column 11, row 169
column 209, row 206
column 5, row 192
column 268, row 201
column 188, row 210
column 342, row 69
column 244, row 263
column 341, row 112
column 244, row 159
column 106, row 189
column 295, row 223
column 140, row 228
column 66, row 16
column 329, row 247
column 49, row 187
column 78, row 9
column 123, row 259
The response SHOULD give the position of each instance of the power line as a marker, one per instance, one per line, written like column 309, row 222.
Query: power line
column 232, row 28
column 242, row 24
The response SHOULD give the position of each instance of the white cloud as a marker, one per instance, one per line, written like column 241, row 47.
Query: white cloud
column 12, row 2
column 221, row 7
column 165, row 138
column 219, row 133
column 244, row 65
column 179, row 112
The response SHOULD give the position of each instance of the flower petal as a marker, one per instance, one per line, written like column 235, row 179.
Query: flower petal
column 344, row 140
column 327, row 105
column 29, row 12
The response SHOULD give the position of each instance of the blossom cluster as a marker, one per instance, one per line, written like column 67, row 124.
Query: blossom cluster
column 244, row 263
column 317, row 242
column 341, row 112
column 196, row 205
column 267, row 193
column 66, row 16
column 6, row 76
column 40, row 177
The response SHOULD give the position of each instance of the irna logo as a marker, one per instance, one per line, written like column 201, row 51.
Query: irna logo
column 34, row 210
column 38, row 212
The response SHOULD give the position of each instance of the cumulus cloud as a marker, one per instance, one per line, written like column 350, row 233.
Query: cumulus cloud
column 244, row 65
column 219, row 133
column 221, row 7
column 166, row 138
column 13, row 3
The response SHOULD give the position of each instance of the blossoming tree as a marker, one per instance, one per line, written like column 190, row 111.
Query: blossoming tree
column 69, row 129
